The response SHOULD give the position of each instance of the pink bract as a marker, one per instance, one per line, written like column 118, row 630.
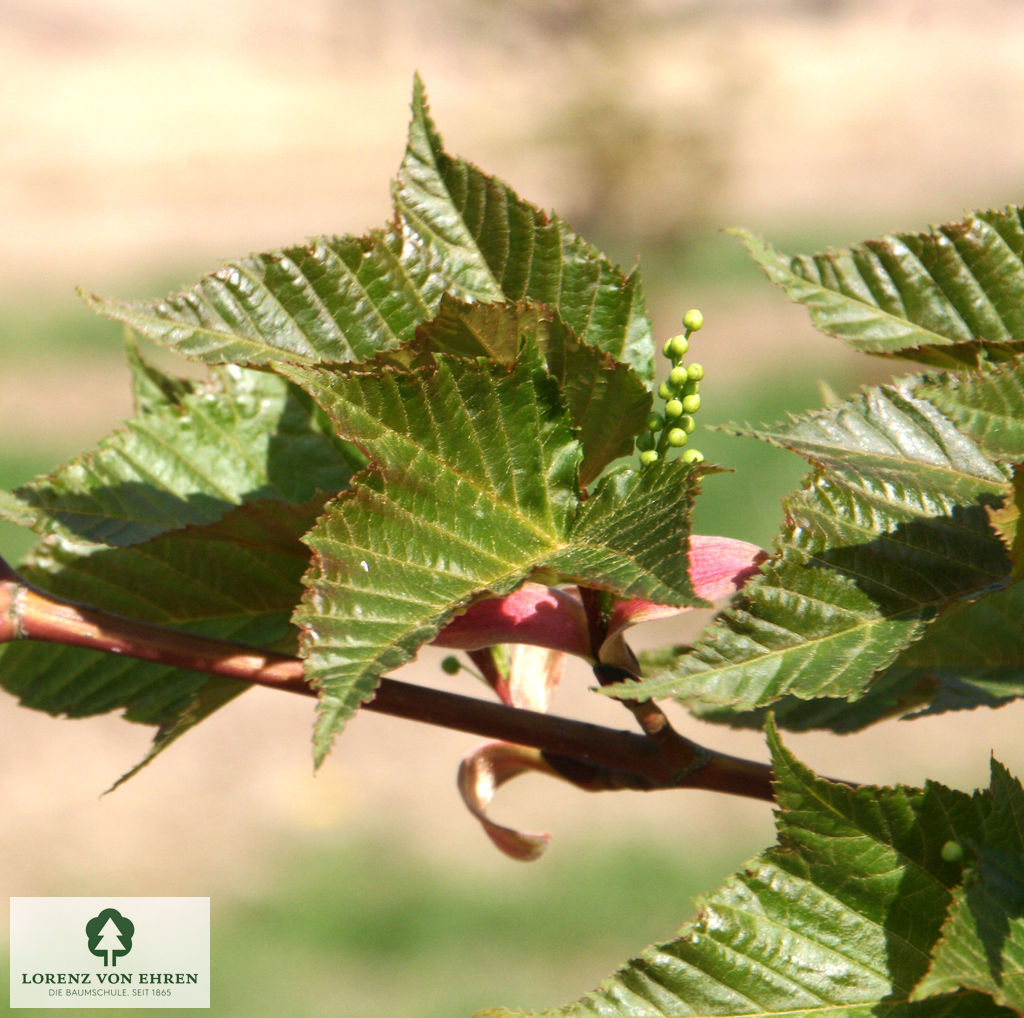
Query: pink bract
column 554, row 618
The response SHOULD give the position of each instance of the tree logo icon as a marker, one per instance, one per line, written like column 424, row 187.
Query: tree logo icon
column 110, row 935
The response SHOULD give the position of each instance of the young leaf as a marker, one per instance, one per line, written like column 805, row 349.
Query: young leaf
column 840, row 918
column 607, row 402
column 938, row 296
column 330, row 299
column 982, row 943
column 986, row 405
column 498, row 247
column 890, row 528
column 473, row 489
column 194, row 451
column 971, row 656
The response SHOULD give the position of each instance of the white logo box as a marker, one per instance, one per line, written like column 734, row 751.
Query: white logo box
column 110, row 952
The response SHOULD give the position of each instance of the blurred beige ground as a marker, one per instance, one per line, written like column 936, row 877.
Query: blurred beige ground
column 144, row 141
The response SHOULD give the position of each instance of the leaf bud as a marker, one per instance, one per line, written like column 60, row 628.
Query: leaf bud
column 693, row 320
column 693, row 456
column 674, row 407
column 649, row 456
column 691, row 404
column 677, row 437
column 450, row 665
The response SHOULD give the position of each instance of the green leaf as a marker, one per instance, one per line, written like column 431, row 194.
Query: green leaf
column 940, row 296
column 330, row 299
column 982, row 944
column 498, row 247
column 166, row 490
column 840, row 918
column 195, row 451
column 152, row 389
column 986, row 405
column 210, row 697
column 340, row 299
column 474, row 489
column 971, row 656
column 237, row 579
column 607, row 403
column 973, row 653
column 890, row 528
column 630, row 536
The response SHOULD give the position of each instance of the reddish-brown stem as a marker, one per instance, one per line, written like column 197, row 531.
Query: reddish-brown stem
column 641, row 762
column 648, row 714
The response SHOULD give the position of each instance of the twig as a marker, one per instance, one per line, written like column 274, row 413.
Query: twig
column 597, row 756
column 688, row 755
column 648, row 714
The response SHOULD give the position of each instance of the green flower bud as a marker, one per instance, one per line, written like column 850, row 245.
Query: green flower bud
column 645, row 440
column 687, row 423
column 666, row 391
column 691, row 404
column 677, row 376
column 450, row 665
column 655, row 422
column 676, row 347
column 693, row 456
column 952, row 851
column 673, row 408
column 693, row 320
column 677, row 437
column 695, row 371
column 649, row 456
column 691, row 387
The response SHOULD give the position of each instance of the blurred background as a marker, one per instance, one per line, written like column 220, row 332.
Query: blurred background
column 143, row 143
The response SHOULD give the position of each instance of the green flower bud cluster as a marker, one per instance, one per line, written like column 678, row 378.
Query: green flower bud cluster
column 672, row 427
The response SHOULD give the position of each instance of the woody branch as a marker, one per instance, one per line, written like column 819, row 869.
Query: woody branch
column 591, row 756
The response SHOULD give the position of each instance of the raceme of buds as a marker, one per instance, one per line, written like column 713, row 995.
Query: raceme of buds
column 672, row 427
